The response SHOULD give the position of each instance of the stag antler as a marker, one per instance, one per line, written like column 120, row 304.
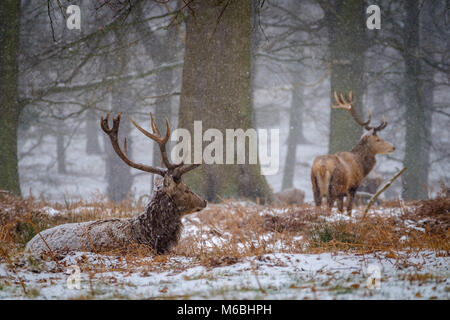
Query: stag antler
column 113, row 134
column 380, row 127
column 347, row 104
column 156, row 136
column 342, row 103
column 175, row 170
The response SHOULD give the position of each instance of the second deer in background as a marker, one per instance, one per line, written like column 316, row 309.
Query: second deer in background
column 339, row 175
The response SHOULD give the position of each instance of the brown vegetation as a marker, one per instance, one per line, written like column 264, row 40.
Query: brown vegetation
column 225, row 233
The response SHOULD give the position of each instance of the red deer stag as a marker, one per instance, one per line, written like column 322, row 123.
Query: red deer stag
column 339, row 175
column 158, row 227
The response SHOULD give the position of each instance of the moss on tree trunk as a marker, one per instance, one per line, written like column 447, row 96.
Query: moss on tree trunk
column 216, row 90
column 9, row 105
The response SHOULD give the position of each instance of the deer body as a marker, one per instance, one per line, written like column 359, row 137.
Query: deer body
column 339, row 175
column 159, row 226
column 291, row 196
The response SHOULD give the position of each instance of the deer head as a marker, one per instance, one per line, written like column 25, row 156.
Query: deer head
column 183, row 197
column 376, row 144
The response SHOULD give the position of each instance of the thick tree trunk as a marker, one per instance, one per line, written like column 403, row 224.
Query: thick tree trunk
column 295, row 136
column 414, row 182
column 427, row 27
column 9, row 106
column 216, row 90
column 347, row 43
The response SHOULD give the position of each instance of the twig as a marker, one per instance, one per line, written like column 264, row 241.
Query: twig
column 36, row 229
column 256, row 277
column 51, row 20
column 375, row 196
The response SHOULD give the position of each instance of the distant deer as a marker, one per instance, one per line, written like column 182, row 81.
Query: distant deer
column 158, row 227
column 339, row 175
column 290, row 196
column 368, row 187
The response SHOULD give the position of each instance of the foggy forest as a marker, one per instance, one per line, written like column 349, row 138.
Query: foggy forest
column 317, row 88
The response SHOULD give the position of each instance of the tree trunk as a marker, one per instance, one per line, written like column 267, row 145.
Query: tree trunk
column 428, row 41
column 92, row 127
column 60, row 148
column 216, row 90
column 9, row 106
column 161, row 49
column 118, row 175
column 295, row 136
column 347, row 43
column 414, row 181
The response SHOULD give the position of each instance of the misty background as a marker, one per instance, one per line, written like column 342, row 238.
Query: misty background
column 130, row 56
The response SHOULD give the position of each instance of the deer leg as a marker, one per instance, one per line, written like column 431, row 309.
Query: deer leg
column 316, row 192
column 351, row 196
column 330, row 202
column 341, row 203
column 331, row 195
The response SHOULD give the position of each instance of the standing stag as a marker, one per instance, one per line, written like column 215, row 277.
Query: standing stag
column 339, row 175
column 158, row 227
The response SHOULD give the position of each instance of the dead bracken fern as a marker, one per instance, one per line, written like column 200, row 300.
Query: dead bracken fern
column 225, row 233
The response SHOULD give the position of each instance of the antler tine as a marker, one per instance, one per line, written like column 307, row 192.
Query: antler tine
column 350, row 98
column 113, row 136
column 340, row 104
column 104, row 123
column 153, row 124
column 348, row 105
column 178, row 172
column 166, row 138
column 342, row 99
column 157, row 138
column 382, row 125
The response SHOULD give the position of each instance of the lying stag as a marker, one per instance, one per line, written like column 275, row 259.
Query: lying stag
column 158, row 227
column 339, row 175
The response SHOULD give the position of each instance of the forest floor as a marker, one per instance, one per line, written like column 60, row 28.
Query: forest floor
column 240, row 250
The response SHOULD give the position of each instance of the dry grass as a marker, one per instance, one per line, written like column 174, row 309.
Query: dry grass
column 225, row 233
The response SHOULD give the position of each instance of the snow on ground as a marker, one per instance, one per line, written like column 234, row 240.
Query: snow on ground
column 342, row 275
column 272, row 276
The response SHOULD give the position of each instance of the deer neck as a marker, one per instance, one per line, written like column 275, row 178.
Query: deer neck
column 160, row 225
column 365, row 157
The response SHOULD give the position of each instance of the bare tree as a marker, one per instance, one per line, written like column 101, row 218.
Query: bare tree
column 9, row 97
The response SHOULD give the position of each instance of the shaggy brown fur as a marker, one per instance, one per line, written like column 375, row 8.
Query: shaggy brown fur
column 160, row 225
